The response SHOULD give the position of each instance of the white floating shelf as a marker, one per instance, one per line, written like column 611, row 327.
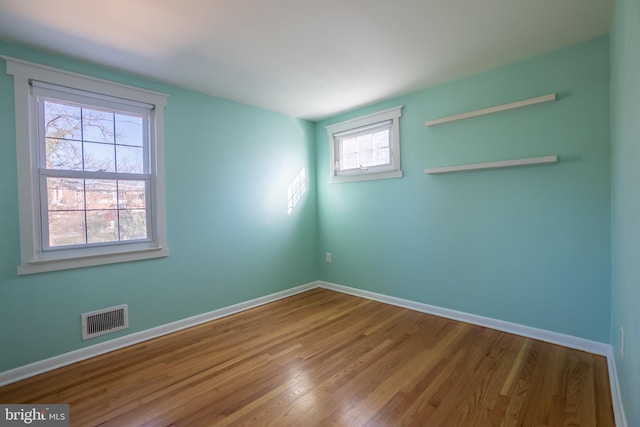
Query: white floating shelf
column 490, row 110
column 495, row 165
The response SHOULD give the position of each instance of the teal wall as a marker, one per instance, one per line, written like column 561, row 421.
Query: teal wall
column 625, row 230
column 527, row 245
column 228, row 166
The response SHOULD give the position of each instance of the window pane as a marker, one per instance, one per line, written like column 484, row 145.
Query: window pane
column 133, row 224
column 381, row 151
column 130, row 159
column 365, row 150
column 365, row 142
column 349, row 161
column 381, row 139
column 371, row 149
column 132, row 194
column 381, row 156
column 101, row 194
column 102, row 226
column 99, row 157
column 349, row 153
column 62, row 121
column 63, row 154
column 66, row 228
column 129, row 130
column 97, row 126
column 349, row 146
column 65, row 194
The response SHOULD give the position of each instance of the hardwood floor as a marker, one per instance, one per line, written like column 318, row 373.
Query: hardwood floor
column 323, row 358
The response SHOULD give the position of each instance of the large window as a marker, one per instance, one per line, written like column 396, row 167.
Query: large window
column 366, row 148
column 90, row 171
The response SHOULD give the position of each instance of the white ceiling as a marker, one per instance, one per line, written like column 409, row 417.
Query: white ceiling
column 308, row 59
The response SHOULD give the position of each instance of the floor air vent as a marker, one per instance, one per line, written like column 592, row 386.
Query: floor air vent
column 105, row 321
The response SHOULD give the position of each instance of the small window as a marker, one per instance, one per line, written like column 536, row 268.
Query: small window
column 366, row 148
column 90, row 174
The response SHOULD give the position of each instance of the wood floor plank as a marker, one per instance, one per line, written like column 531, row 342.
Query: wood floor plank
column 324, row 358
column 602, row 395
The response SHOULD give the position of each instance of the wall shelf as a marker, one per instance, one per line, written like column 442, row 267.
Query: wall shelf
column 494, row 165
column 490, row 110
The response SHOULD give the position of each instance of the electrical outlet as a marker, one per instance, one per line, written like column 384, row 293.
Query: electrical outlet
column 622, row 342
column 327, row 257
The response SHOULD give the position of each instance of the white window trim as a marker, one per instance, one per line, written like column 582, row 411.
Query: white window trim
column 32, row 258
column 393, row 171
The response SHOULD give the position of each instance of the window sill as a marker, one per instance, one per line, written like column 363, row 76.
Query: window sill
column 364, row 177
column 45, row 265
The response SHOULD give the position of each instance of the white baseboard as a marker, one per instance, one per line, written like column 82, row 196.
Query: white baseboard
column 500, row 325
column 618, row 408
column 569, row 341
column 55, row 362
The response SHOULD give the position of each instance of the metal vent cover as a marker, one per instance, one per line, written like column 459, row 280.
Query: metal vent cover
column 105, row 321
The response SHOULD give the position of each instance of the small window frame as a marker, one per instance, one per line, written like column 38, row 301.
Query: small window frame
column 360, row 125
column 33, row 256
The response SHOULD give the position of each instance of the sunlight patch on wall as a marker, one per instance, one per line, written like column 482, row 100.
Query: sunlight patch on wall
column 296, row 190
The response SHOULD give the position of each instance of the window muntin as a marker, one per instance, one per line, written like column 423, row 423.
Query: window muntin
column 366, row 148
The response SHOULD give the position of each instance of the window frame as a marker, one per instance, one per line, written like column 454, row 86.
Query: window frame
column 359, row 125
column 33, row 257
